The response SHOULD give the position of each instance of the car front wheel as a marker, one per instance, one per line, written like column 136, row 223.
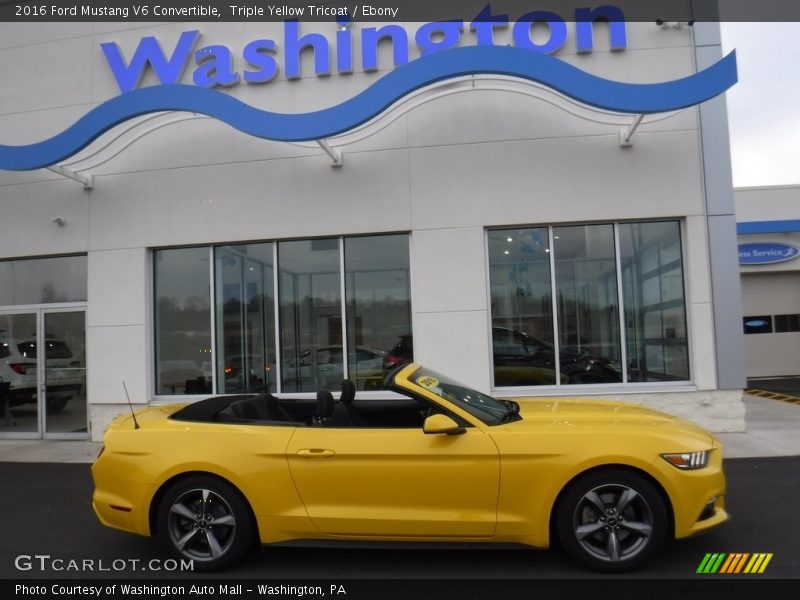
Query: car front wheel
column 205, row 520
column 612, row 520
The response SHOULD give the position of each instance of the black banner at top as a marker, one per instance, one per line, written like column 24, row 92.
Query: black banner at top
column 669, row 11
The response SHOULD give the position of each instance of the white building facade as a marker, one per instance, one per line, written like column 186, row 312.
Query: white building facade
column 516, row 239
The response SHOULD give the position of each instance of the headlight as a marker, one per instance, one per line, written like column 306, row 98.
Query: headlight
column 687, row 460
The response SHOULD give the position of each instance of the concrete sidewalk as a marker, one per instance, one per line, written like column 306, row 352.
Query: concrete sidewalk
column 773, row 429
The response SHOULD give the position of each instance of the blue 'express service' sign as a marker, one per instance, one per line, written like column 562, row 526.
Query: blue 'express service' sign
column 766, row 253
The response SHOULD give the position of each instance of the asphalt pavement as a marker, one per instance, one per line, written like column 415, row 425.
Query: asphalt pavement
column 789, row 386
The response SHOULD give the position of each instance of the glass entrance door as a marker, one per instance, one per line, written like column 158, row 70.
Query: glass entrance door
column 19, row 404
column 43, row 374
column 64, row 373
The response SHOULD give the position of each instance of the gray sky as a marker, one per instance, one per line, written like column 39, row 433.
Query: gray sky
column 764, row 106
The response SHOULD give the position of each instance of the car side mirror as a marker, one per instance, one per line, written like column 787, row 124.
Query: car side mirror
column 442, row 424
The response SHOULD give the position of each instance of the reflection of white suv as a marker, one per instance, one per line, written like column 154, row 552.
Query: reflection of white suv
column 329, row 373
column 18, row 366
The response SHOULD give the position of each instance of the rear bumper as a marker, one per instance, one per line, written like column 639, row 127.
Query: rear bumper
column 120, row 502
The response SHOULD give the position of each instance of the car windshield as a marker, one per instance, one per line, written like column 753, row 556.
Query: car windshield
column 489, row 410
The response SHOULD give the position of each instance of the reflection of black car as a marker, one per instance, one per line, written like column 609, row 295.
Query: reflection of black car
column 402, row 352
column 520, row 359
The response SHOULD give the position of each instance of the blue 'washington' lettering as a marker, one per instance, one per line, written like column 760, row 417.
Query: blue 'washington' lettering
column 214, row 65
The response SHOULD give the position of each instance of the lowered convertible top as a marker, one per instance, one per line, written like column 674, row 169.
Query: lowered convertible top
column 205, row 411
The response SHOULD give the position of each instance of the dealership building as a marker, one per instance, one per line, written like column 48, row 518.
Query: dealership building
column 769, row 258
column 528, row 233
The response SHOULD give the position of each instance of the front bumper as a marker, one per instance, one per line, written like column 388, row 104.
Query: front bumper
column 698, row 496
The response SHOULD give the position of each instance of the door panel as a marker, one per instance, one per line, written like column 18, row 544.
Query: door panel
column 396, row 482
column 65, row 372
column 19, row 410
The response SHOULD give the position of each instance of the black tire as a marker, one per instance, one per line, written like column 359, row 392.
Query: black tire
column 612, row 520
column 206, row 520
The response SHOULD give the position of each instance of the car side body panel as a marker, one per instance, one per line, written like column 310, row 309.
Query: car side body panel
column 397, row 482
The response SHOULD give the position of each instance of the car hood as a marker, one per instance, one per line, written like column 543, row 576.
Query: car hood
column 538, row 412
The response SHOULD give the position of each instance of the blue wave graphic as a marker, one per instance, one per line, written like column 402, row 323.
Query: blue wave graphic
column 498, row 60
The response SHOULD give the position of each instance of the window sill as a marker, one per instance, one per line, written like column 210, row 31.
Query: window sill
column 595, row 390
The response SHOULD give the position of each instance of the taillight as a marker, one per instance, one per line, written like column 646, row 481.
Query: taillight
column 20, row 368
column 392, row 359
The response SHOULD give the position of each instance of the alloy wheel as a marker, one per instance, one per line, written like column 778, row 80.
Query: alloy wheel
column 201, row 525
column 613, row 523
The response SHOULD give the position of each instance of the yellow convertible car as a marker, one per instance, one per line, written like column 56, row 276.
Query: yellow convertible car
column 441, row 462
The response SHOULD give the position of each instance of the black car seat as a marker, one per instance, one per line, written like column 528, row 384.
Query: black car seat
column 270, row 406
column 263, row 407
column 244, row 410
column 347, row 397
column 325, row 407
column 348, row 391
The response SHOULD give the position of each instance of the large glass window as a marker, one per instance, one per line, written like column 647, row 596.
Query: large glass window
column 573, row 336
column 305, row 321
column 522, row 311
column 245, row 317
column 655, row 311
column 378, row 294
column 43, row 280
column 310, row 296
column 183, row 321
column 588, row 315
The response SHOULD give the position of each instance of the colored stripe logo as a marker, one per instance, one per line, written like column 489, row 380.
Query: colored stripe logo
column 734, row 563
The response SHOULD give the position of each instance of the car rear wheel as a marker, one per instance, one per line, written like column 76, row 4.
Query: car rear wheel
column 205, row 520
column 612, row 520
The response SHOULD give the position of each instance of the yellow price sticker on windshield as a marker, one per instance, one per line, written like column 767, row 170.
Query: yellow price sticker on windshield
column 427, row 381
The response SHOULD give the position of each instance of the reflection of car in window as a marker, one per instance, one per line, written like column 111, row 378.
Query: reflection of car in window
column 520, row 359
column 174, row 374
column 63, row 372
column 248, row 373
column 324, row 365
column 401, row 352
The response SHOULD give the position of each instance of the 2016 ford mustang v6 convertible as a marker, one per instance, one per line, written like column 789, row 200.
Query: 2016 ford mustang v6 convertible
column 441, row 462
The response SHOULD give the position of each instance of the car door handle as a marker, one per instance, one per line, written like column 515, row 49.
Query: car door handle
column 315, row 453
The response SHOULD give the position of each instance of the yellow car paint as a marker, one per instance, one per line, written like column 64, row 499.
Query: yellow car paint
column 491, row 483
